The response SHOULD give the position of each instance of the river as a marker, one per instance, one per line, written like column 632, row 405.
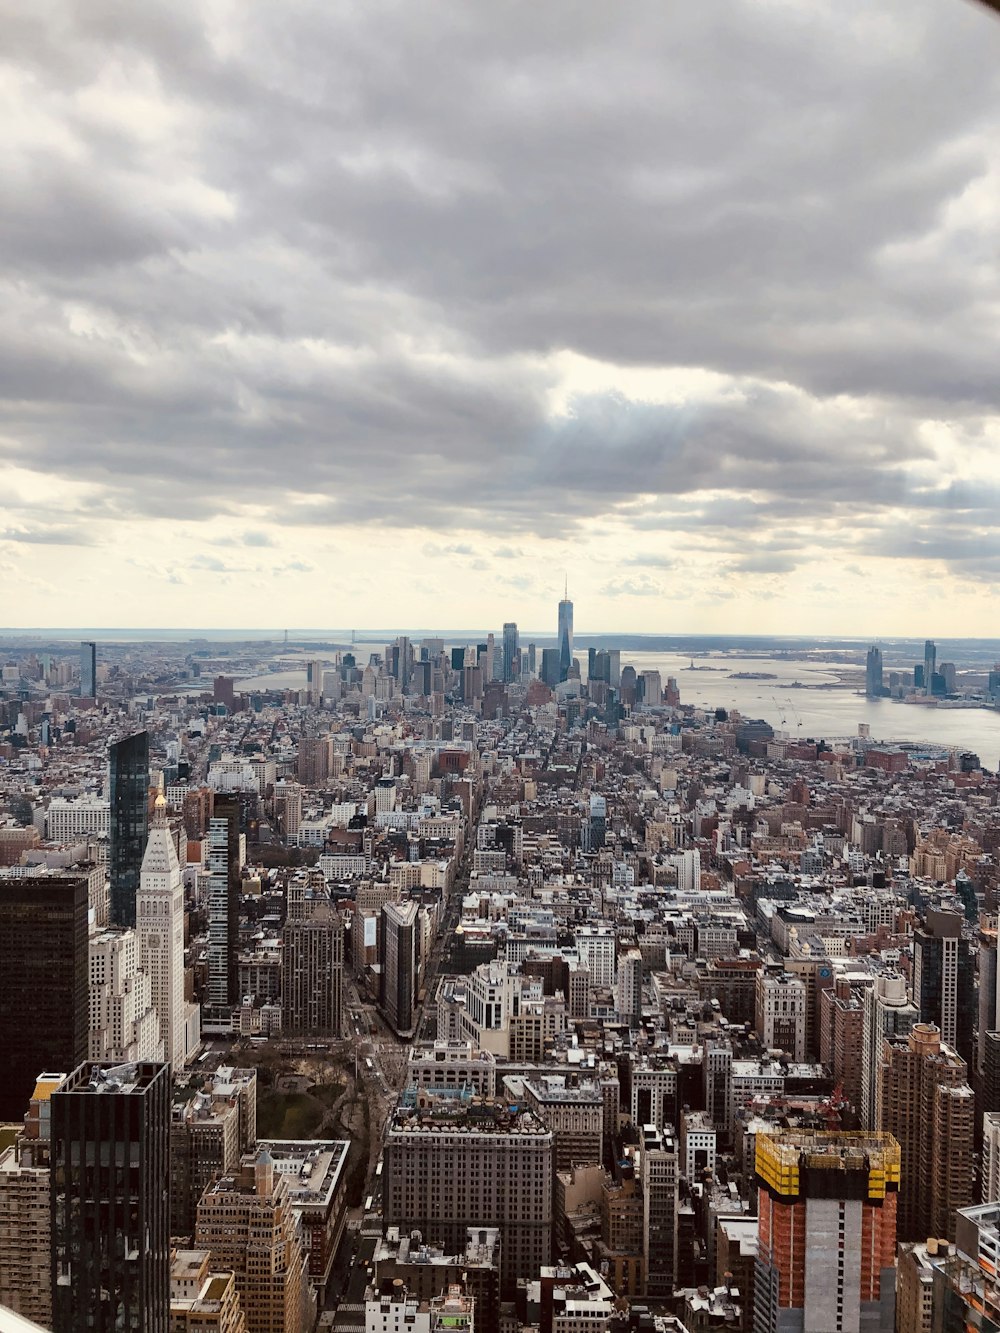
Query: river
column 820, row 713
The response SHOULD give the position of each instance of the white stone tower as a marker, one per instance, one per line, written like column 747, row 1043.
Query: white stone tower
column 160, row 924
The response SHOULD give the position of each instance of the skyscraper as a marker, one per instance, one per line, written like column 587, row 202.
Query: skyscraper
column 44, row 994
column 224, row 901
column 944, row 979
column 314, row 681
column 930, row 665
column 129, row 823
column 451, row 1165
column 312, row 973
column 110, row 1211
column 510, row 650
column 550, row 666
column 565, row 636
column 124, row 1027
column 827, row 1231
column 398, row 950
column 659, row 1170
column 873, row 673
column 247, row 1222
column 160, row 925
column 887, row 1013
column 927, row 1105
column 88, row 670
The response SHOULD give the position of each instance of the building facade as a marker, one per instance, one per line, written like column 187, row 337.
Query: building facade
column 129, row 786
column 450, row 1166
column 44, row 974
column 246, row 1221
column 827, row 1232
column 160, row 926
column 399, row 957
column 312, row 974
column 110, row 1211
column 224, row 902
column 928, row 1106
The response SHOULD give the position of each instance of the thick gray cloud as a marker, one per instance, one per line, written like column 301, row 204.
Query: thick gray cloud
column 320, row 257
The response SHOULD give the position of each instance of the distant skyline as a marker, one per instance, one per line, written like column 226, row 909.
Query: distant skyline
column 337, row 311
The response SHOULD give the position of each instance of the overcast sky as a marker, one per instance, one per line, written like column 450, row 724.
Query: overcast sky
column 356, row 314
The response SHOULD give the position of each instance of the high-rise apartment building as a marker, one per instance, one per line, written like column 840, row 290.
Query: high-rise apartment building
column 988, row 1030
column 129, row 760
column 88, row 670
column 888, row 1012
column 944, row 987
column 928, row 1106
column 510, row 651
column 124, row 1027
column 44, row 987
column 288, row 806
column 565, row 636
column 659, row 1171
column 930, row 665
column 110, row 1212
column 827, row 1232
column 629, row 987
column 451, row 1165
column 224, row 901
column 399, row 955
column 160, row 927
column 874, row 687
column 314, row 760
column 247, row 1223
column 841, row 1035
column 990, row 1183
column 312, row 973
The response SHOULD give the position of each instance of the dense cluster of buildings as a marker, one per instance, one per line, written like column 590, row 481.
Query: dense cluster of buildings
column 698, row 1022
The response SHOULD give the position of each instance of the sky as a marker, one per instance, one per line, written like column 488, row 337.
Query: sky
column 389, row 313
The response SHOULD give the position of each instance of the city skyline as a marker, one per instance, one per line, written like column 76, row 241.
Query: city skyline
column 407, row 312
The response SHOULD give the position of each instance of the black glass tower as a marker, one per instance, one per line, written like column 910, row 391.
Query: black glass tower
column 110, row 1204
column 129, row 822
column 44, row 996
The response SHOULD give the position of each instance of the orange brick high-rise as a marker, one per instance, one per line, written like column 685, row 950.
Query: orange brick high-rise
column 827, row 1205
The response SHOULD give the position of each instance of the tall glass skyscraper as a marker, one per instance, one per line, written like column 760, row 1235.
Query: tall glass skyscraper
column 110, row 1205
column 565, row 636
column 930, row 666
column 43, row 982
column 510, row 650
column 88, row 670
column 873, row 673
column 129, row 823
